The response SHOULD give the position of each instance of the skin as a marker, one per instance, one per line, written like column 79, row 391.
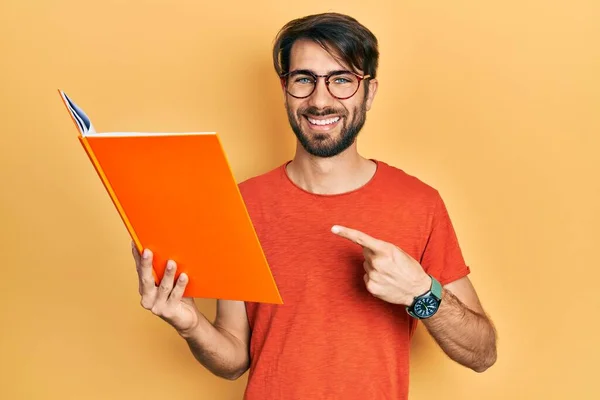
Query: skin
column 460, row 327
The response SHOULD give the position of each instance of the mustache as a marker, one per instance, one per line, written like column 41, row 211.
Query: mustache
column 316, row 112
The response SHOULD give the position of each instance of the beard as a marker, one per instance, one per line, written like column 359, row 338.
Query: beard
column 323, row 144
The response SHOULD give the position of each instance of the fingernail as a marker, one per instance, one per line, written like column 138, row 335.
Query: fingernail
column 183, row 277
column 335, row 229
column 146, row 253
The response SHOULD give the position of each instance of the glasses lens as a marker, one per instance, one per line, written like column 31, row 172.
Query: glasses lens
column 343, row 84
column 300, row 85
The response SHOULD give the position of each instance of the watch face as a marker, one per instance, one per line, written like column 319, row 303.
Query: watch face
column 426, row 307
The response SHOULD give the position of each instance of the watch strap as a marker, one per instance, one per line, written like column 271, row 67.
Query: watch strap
column 436, row 288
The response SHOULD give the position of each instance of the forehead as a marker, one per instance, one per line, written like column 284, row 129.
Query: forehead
column 306, row 54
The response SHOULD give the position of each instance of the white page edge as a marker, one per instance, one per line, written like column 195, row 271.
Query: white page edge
column 146, row 134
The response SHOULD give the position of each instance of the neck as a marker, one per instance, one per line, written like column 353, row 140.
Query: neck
column 343, row 173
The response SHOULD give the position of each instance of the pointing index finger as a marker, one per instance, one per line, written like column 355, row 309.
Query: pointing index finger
column 358, row 237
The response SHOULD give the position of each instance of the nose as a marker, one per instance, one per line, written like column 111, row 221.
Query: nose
column 321, row 98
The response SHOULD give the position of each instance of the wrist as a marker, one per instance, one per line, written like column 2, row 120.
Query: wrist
column 191, row 333
column 422, row 286
column 427, row 302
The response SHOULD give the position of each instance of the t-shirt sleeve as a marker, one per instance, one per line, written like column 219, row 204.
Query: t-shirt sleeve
column 442, row 257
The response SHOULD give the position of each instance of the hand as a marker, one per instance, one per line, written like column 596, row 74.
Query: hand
column 391, row 274
column 165, row 300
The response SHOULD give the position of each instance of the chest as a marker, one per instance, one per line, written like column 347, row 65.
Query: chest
column 310, row 263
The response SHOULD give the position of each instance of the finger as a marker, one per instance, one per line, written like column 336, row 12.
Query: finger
column 359, row 238
column 136, row 254
column 368, row 276
column 368, row 267
column 370, row 285
column 144, row 267
column 178, row 290
column 137, row 257
column 166, row 284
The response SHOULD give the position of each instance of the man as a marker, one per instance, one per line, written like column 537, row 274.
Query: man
column 360, row 250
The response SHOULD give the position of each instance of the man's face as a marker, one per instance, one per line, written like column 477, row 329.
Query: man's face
column 324, row 125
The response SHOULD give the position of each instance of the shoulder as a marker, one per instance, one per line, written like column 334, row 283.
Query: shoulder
column 410, row 187
column 260, row 185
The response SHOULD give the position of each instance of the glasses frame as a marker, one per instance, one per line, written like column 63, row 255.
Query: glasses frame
column 326, row 77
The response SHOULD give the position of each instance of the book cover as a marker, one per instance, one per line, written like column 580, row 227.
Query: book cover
column 176, row 195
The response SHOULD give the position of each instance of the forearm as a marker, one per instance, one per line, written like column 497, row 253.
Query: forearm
column 465, row 336
column 218, row 350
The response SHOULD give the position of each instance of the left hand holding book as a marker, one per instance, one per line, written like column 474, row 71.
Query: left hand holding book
column 165, row 300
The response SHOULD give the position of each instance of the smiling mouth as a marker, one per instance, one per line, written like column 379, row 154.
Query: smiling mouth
column 323, row 122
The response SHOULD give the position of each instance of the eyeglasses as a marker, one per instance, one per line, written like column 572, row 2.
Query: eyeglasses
column 341, row 84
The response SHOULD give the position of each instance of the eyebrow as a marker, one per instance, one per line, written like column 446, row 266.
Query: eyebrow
column 308, row 71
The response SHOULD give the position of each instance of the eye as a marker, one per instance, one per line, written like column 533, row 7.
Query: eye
column 303, row 79
column 344, row 79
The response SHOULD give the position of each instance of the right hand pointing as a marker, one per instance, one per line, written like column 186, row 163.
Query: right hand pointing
column 165, row 300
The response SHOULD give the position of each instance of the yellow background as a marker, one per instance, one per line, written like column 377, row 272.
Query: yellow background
column 496, row 104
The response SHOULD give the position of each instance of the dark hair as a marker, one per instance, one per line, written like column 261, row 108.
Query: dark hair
column 340, row 35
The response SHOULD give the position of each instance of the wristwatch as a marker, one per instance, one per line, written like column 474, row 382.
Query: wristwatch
column 427, row 304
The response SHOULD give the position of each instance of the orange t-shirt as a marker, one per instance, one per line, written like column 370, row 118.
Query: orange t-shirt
column 331, row 339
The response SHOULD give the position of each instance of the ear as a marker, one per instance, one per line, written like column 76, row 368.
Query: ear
column 372, row 92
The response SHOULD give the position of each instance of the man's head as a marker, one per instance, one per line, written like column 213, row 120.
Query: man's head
column 326, row 114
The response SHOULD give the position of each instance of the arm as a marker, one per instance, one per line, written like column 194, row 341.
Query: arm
column 461, row 327
column 222, row 346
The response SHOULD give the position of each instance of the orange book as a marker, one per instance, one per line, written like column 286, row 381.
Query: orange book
column 176, row 195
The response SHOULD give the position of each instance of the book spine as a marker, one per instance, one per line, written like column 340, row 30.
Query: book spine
column 96, row 164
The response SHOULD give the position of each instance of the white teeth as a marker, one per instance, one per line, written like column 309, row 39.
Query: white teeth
column 324, row 121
